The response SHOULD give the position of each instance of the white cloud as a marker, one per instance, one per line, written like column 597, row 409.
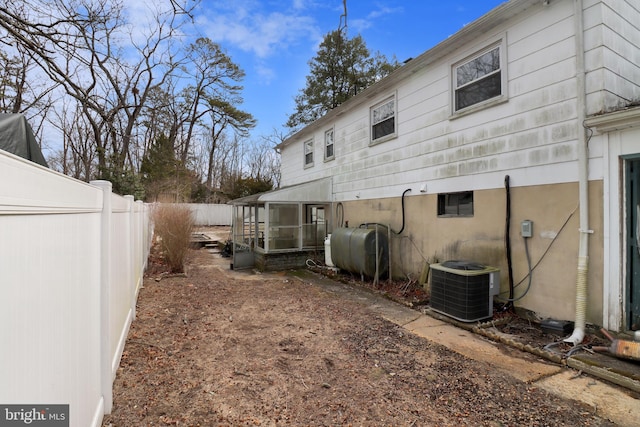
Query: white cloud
column 265, row 73
column 299, row 4
column 361, row 24
column 251, row 29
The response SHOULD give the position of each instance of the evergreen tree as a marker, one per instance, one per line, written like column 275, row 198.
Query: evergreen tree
column 246, row 186
column 163, row 174
column 342, row 68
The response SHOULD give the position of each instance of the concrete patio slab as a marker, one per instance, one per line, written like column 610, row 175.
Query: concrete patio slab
column 396, row 313
column 607, row 401
column 522, row 366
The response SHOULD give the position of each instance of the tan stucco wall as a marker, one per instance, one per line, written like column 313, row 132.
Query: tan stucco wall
column 553, row 248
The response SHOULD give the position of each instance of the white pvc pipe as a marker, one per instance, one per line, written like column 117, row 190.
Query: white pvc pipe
column 583, row 182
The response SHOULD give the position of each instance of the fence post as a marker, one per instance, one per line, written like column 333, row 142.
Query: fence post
column 106, row 381
column 129, row 230
column 140, row 252
column 146, row 234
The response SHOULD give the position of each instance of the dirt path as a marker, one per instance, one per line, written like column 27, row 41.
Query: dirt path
column 215, row 349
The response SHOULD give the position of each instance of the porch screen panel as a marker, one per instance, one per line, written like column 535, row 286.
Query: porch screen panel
column 242, row 224
column 284, row 226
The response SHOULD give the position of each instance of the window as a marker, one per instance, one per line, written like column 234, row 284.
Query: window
column 455, row 204
column 383, row 120
column 328, row 144
column 308, row 153
column 479, row 79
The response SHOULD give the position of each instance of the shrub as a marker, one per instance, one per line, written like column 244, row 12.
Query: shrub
column 173, row 225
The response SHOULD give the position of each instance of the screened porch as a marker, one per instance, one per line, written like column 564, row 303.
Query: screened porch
column 280, row 229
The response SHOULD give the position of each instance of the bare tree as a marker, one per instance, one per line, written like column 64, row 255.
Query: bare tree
column 225, row 116
column 215, row 77
column 79, row 45
column 126, row 86
column 77, row 156
column 272, row 155
column 262, row 162
column 21, row 93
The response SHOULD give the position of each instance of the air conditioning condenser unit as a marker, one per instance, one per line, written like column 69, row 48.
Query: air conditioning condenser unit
column 464, row 290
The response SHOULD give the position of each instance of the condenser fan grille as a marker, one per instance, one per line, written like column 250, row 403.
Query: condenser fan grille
column 464, row 294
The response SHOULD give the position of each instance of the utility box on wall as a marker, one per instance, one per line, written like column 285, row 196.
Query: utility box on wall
column 464, row 290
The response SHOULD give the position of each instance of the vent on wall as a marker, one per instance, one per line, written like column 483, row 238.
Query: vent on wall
column 464, row 290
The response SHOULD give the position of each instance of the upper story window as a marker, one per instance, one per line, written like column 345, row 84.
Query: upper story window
column 479, row 79
column 328, row 145
column 308, row 153
column 383, row 120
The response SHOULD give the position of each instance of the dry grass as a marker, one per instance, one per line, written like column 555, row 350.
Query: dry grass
column 173, row 227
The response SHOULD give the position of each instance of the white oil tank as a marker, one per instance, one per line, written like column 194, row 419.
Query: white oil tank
column 327, row 251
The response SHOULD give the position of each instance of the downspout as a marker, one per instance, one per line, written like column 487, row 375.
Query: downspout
column 583, row 181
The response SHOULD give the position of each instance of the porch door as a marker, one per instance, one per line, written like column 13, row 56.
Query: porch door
column 244, row 236
column 633, row 244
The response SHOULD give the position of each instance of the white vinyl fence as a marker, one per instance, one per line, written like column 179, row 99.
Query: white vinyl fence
column 72, row 257
column 210, row 214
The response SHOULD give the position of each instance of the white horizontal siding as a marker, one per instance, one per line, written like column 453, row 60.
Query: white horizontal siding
column 532, row 137
column 612, row 40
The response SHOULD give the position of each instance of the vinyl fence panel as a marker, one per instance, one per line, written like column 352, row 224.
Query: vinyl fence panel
column 210, row 214
column 72, row 256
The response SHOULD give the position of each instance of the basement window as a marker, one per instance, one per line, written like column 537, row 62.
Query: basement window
column 455, row 204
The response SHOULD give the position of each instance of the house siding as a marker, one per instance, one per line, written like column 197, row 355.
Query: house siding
column 612, row 37
column 536, row 128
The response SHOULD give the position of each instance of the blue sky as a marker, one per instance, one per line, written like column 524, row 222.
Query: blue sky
column 273, row 40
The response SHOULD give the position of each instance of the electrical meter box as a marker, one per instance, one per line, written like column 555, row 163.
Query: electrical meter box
column 526, row 228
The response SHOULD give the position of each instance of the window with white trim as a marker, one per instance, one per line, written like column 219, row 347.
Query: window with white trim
column 383, row 120
column 479, row 79
column 328, row 145
column 308, row 153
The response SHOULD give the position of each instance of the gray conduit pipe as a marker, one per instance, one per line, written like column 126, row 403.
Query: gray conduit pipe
column 583, row 182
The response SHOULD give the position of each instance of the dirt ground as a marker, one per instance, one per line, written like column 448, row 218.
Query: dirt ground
column 212, row 349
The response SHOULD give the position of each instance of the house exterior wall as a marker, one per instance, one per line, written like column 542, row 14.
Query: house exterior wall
column 532, row 135
column 553, row 249
column 611, row 38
